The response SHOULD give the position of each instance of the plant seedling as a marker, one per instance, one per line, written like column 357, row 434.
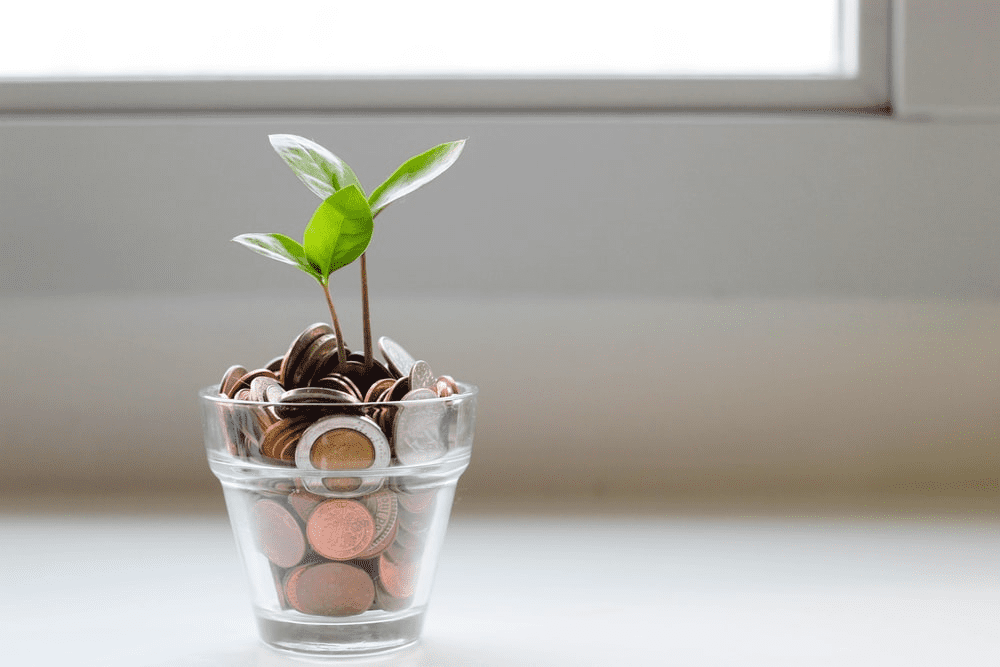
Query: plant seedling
column 341, row 228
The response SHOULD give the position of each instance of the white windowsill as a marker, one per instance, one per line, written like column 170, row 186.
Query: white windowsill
column 869, row 584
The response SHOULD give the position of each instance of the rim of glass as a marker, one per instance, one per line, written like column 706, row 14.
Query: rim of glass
column 211, row 393
column 451, row 460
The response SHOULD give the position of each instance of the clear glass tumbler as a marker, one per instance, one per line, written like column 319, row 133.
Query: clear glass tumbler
column 339, row 512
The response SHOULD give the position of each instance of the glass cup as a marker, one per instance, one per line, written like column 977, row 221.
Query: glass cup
column 339, row 512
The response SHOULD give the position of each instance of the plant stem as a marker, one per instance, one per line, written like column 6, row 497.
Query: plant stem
column 365, row 313
column 341, row 354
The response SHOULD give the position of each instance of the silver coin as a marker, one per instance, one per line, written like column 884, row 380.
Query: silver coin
column 399, row 360
column 265, row 389
column 417, row 432
column 421, row 376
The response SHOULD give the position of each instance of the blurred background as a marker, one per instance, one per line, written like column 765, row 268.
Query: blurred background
column 674, row 268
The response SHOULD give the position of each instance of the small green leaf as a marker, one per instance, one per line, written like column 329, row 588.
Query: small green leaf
column 279, row 247
column 415, row 172
column 323, row 172
column 339, row 231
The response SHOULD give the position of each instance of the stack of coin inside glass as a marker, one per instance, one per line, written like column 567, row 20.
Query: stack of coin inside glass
column 343, row 556
column 341, row 545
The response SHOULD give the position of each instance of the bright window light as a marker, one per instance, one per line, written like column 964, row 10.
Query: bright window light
column 60, row 39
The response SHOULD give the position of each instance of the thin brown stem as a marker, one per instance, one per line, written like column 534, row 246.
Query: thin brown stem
column 366, row 313
column 341, row 354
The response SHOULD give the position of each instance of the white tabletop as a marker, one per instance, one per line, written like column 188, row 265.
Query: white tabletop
column 650, row 585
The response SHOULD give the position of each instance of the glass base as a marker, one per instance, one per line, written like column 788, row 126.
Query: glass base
column 328, row 637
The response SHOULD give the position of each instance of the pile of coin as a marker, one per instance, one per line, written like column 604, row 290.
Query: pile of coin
column 345, row 544
column 311, row 415
column 343, row 556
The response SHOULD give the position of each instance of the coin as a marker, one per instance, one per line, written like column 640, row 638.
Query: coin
column 445, row 386
column 304, row 502
column 278, row 435
column 417, row 436
column 275, row 364
column 248, row 378
column 316, row 356
column 266, row 389
column 298, row 347
column 343, row 442
column 278, row 533
column 339, row 382
column 399, row 389
column 399, row 360
column 372, row 374
column 340, row 529
column 398, row 579
column 421, row 376
column 330, row 589
column 384, row 509
column 230, row 380
column 377, row 388
column 303, row 401
column 389, row 603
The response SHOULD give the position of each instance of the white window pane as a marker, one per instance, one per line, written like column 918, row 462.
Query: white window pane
column 669, row 38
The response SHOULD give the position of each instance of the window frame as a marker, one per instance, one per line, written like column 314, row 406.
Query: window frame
column 867, row 88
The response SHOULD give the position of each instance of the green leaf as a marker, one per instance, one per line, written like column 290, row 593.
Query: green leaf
column 279, row 247
column 339, row 231
column 415, row 172
column 323, row 172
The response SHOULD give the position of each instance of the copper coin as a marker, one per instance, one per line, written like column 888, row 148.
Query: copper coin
column 398, row 579
column 304, row 502
column 248, row 378
column 286, row 451
column 389, row 603
column 313, row 358
column 330, row 589
column 450, row 382
column 230, row 380
column 377, row 389
column 400, row 361
column 340, row 529
column 372, row 374
column 304, row 401
column 275, row 364
column 355, row 372
column 340, row 383
column 298, row 347
column 400, row 389
column 278, row 533
column 384, row 510
column 277, row 435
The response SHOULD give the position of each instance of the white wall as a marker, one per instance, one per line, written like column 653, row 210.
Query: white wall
column 728, row 303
